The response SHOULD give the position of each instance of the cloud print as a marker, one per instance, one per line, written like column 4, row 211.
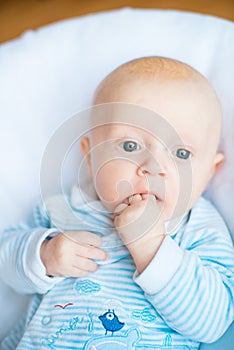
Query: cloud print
column 144, row 315
column 87, row 287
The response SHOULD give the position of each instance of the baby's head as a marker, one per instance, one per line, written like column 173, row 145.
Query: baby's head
column 172, row 144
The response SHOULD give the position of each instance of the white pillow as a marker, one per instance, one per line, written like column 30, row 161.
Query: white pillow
column 49, row 74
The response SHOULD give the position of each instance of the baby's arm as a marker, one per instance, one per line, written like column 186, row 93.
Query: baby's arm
column 25, row 265
column 191, row 283
column 192, row 288
column 20, row 264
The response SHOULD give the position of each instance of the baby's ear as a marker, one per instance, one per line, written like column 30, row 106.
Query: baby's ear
column 85, row 149
column 85, row 145
column 218, row 161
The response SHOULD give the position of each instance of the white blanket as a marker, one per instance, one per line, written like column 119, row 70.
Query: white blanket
column 49, row 74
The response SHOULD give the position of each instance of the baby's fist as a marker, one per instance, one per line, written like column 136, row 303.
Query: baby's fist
column 138, row 218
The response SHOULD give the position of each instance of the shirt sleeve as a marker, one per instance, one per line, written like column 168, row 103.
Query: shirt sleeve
column 20, row 265
column 191, row 285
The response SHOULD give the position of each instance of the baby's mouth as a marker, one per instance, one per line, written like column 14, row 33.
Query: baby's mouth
column 126, row 200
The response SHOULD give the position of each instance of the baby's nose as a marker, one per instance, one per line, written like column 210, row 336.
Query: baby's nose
column 151, row 167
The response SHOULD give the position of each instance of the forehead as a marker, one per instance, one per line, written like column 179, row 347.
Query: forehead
column 171, row 99
column 122, row 119
column 174, row 111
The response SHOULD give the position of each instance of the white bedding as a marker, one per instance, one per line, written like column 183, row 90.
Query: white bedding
column 49, row 74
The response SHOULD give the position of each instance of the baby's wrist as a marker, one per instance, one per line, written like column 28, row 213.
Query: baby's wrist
column 144, row 250
column 44, row 255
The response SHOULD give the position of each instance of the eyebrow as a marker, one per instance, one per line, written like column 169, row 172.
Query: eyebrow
column 189, row 140
column 116, row 131
column 121, row 131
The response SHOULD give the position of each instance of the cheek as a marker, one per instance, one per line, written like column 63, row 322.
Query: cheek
column 172, row 200
column 112, row 181
column 200, row 181
column 201, row 172
column 178, row 187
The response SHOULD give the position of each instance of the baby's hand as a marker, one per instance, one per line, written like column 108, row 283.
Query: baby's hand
column 71, row 254
column 138, row 218
column 140, row 227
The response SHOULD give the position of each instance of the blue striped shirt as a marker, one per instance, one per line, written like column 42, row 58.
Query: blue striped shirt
column 185, row 295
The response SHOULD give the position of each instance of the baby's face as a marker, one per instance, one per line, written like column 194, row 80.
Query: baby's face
column 127, row 159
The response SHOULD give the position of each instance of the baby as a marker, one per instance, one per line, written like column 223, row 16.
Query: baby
column 148, row 263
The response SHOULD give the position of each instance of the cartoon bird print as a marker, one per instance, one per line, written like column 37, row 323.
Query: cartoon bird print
column 111, row 322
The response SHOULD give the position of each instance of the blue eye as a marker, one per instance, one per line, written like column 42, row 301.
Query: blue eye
column 130, row 146
column 183, row 153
